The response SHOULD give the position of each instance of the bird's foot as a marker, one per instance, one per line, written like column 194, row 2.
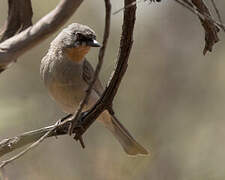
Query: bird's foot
column 78, row 128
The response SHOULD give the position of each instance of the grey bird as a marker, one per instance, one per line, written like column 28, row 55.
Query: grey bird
column 67, row 74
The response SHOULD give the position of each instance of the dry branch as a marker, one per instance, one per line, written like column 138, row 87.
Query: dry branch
column 17, row 156
column 10, row 144
column 98, row 67
column 19, row 18
column 217, row 13
column 210, row 26
column 106, row 100
column 211, row 30
column 15, row 46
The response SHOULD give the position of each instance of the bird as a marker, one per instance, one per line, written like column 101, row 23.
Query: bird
column 67, row 74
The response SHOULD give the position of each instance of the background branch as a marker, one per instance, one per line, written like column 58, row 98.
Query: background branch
column 218, row 14
column 210, row 26
column 10, row 144
column 15, row 46
column 20, row 154
column 211, row 30
column 19, row 18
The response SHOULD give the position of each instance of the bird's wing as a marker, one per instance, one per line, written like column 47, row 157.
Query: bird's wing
column 88, row 73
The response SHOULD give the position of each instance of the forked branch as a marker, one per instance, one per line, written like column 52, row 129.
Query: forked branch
column 15, row 46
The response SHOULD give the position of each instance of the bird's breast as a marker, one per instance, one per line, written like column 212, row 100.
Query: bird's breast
column 64, row 81
column 77, row 54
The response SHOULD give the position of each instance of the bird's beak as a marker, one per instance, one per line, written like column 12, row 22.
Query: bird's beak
column 93, row 43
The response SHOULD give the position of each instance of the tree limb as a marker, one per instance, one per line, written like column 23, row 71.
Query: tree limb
column 17, row 156
column 218, row 14
column 10, row 144
column 98, row 67
column 15, row 46
column 210, row 25
column 106, row 100
column 19, row 18
column 211, row 30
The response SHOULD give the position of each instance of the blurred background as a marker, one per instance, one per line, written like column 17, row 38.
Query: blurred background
column 172, row 100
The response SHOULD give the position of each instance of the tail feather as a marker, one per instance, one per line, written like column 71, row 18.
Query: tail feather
column 129, row 144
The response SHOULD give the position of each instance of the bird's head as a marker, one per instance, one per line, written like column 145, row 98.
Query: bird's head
column 76, row 40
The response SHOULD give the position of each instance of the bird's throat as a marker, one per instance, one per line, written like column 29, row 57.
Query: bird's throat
column 77, row 54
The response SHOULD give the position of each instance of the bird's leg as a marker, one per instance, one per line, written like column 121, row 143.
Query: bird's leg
column 79, row 127
column 78, row 124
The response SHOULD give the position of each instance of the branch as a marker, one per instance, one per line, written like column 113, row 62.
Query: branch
column 218, row 14
column 99, row 65
column 17, row 45
column 211, row 30
column 4, row 163
column 19, row 18
column 199, row 8
column 210, row 25
column 10, row 144
column 106, row 100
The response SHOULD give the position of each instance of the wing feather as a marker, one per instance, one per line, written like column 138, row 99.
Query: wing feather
column 88, row 73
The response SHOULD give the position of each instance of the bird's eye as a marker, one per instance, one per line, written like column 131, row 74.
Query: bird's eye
column 81, row 37
column 74, row 33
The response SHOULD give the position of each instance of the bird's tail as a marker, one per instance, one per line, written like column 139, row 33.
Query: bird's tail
column 129, row 144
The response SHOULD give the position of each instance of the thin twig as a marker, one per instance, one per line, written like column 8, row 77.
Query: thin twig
column 204, row 16
column 128, row 6
column 4, row 163
column 98, row 67
column 217, row 13
column 49, row 131
column 210, row 25
column 126, row 43
column 10, row 144
column 132, row 4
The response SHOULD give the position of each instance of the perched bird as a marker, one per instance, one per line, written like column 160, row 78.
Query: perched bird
column 67, row 74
